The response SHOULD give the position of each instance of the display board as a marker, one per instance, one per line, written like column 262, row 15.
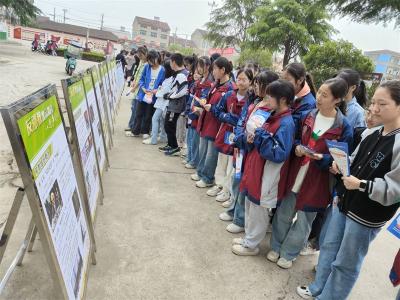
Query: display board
column 36, row 130
column 107, row 91
column 103, row 105
column 120, row 79
column 111, row 76
column 95, row 120
column 80, row 116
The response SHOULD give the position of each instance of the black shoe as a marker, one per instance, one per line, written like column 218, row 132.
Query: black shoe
column 164, row 148
column 173, row 151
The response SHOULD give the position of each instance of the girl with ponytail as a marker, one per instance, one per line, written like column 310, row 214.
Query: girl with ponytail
column 356, row 98
column 304, row 88
column 307, row 190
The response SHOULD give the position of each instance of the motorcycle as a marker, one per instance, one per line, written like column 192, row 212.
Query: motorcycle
column 72, row 53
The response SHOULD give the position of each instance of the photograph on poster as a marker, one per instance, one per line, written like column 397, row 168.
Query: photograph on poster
column 77, row 273
column 75, row 202
column 53, row 205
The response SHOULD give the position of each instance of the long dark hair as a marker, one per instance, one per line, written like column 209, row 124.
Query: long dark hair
column 264, row 78
column 248, row 72
column 168, row 70
column 339, row 89
column 281, row 89
column 298, row 71
column 352, row 77
column 222, row 62
column 192, row 60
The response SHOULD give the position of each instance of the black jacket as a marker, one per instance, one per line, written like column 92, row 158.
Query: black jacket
column 377, row 160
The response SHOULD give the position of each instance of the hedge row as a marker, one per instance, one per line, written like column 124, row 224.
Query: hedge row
column 90, row 56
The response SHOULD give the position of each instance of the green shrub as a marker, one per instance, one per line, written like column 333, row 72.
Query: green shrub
column 90, row 56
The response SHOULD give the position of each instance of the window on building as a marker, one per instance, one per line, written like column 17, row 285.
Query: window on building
column 143, row 32
column 143, row 26
column 164, row 30
column 164, row 36
column 154, row 34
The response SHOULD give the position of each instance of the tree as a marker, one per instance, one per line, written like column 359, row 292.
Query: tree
column 23, row 9
column 180, row 49
column 324, row 61
column 229, row 23
column 367, row 10
column 290, row 26
column 262, row 57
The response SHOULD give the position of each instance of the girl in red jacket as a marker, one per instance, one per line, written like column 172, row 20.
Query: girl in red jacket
column 307, row 190
column 269, row 147
column 208, row 124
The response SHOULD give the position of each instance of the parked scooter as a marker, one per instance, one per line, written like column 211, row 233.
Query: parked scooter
column 72, row 53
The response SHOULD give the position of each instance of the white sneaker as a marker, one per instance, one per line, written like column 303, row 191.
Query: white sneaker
column 223, row 197
column 227, row 203
column 284, row 263
column 184, row 161
column 308, row 250
column 189, row 166
column 195, row 177
column 304, row 292
column 221, row 191
column 146, row 136
column 273, row 256
column 233, row 228
column 244, row 251
column 130, row 134
column 214, row 191
column 148, row 142
column 201, row 184
column 237, row 241
column 225, row 216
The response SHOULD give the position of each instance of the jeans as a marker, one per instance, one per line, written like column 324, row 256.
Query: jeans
column 133, row 114
column 344, row 245
column 193, row 140
column 236, row 210
column 157, row 125
column 170, row 128
column 208, row 161
column 144, row 113
column 289, row 238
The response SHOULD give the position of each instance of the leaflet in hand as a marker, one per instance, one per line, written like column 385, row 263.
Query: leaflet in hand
column 307, row 150
column 148, row 98
column 239, row 154
column 229, row 138
column 257, row 120
column 340, row 153
column 394, row 227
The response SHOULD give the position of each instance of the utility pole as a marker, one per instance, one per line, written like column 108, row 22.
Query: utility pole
column 64, row 10
column 102, row 22
column 54, row 14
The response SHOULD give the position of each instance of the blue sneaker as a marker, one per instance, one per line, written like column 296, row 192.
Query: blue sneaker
column 173, row 152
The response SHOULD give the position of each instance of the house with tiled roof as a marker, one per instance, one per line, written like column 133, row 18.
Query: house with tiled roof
column 151, row 32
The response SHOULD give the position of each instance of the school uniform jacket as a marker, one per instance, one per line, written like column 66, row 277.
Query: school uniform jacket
column 208, row 124
column 315, row 192
column 200, row 90
column 145, row 79
column 264, row 164
column 227, row 111
column 376, row 160
column 301, row 106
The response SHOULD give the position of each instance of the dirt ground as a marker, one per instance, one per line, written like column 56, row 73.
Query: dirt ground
column 158, row 236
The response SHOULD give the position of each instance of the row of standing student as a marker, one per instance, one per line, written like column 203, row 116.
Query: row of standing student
column 247, row 145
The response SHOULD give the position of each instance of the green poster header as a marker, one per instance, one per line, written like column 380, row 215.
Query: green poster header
column 76, row 94
column 38, row 126
column 87, row 80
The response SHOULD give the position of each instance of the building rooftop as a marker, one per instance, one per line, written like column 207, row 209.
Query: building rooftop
column 173, row 39
column 201, row 31
column 382, row 51
column 46, row 24
column 156, row 23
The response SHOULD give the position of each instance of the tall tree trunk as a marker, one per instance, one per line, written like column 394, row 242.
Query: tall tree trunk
column 286, row 56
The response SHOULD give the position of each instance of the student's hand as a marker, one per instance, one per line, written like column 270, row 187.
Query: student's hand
column 351, row 182
column 207, row 107
column 334, row 169
column 154, row 92
column 299, row 151
column 315, row 156
column 250, row 138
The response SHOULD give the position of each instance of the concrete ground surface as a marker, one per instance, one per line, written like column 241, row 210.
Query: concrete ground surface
column 159, row 237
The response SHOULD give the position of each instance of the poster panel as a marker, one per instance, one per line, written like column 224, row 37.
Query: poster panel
column 102, row 104
column 107, row 91
column 121, row 78
column 112, row 83
column 79, row 116
column 41, row 131
column 95, row 120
